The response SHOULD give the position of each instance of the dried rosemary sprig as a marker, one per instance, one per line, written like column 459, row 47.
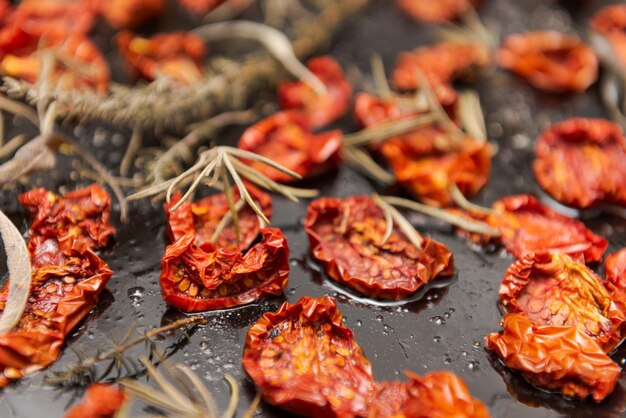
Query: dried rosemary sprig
column 18, row 263
column 86, row 367
column 393, row 216
column 182, row 394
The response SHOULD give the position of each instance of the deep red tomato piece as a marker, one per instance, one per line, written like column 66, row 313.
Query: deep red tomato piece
column 346, row 237
column 130, row 14
column 435, row 11
column 550, row 61
column 615, row 269
column 527, row 226
column 287, row 139
column 204, row 215
column 556, row 358
column 80, row 217
column 440, row 64
column 554, row 289
column 61, row 296
column 582, row 162
column 178, row 55
column 100, row 401
column 370, row 110
column 610, row 22
column 319, row 110
column 303, row 359
column 197, row 279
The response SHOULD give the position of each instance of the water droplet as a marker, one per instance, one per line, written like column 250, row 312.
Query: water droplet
column 136, row 293
column 477, row 344
column 446, row 315
column 447, row 359
column 451, row 310
column 473, row 365
column 439, row 320
column 464, row 353
column 436, row 338
column 359, row 322
column 379, row 318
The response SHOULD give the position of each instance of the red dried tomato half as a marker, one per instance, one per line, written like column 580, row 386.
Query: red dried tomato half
column 20, row 58
column 100, row 401
column 130, row 14
column 286, row 138
column 435, row 11
column 346, row 237
column 440, row 64
column 610, row 22
column 204, row 215
column 319, row 110
column 65, row 287
column 550, row 61
column 435, row 395
column 179, row 55
column 582, row 162
column 303, row 359
column 200, row 7
column 552, row 357
column 370, row 110
column 554, row 289
column 615, row 269
column 78, row 218
column 197, row 279
column 526, row 226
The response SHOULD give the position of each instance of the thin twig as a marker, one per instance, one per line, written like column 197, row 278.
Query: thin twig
column 463, row 203
column 131, row 150
column 405, row 226
column 361, row 161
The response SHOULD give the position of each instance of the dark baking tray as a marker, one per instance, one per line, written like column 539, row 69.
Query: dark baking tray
column 442, row 331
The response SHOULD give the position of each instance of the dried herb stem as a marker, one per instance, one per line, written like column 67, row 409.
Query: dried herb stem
column 387, row 130
column 380, row 77
column 131, row 151
column 361, row 161
column 460, row 199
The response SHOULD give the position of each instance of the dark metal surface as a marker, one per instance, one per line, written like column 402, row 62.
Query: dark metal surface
column 443, row 331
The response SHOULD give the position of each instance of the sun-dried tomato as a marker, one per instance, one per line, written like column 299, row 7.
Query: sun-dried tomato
column 615, row 269
column 582, row 162
column 197, row 279
column 286, row 138
column 200, row 7
column 555, row 289
column 435, row 11
column 80, row 63
column 319, row 110
column 370, row 111
column 610, row 22
column 346, row 237
column 130, row 14
column 75, row 219
column 435, row 395
column 65, row 287
column 204, row 215
column 179, row 55
column 100, row 401
column 550, row 61
column 440, row 64
column 427, row 164
column 553, row 357
column 526, row 226
column 303, row 359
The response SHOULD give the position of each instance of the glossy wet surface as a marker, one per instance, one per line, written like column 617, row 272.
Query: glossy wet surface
column 444, row 330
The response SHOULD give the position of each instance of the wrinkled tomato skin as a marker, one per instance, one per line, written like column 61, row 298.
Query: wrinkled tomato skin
column 582, row 162
column 196, row 280
column 179, row 55
column 370, row 111
column 434, row 395
column 200, row 7
column 550, row 61
column 319, row 110
column 526, row 226
column 554, row 289
column 78, row 218
column 435, row 11
column 100, row 401
column 610, row 22
column 440, row 65
column 555, row 358
column 286, row 138
column 131, row 14
column 428, row 171
column 615, row 270
column 60, row 297
column 303, row 359
column 204, row 215
column 345, row 236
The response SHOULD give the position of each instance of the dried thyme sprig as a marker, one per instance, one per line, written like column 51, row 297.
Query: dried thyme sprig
column 181, row 394
column 156, row 106
column 116, row 353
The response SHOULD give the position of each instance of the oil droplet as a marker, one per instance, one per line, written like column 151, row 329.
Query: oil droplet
column 473, row 365
column 379, row 318
column 447, row 315
column 359, row 322
column 135, row 293
column 477, row 344
column 436, row 338
column 464, row 353
column 439, row 320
